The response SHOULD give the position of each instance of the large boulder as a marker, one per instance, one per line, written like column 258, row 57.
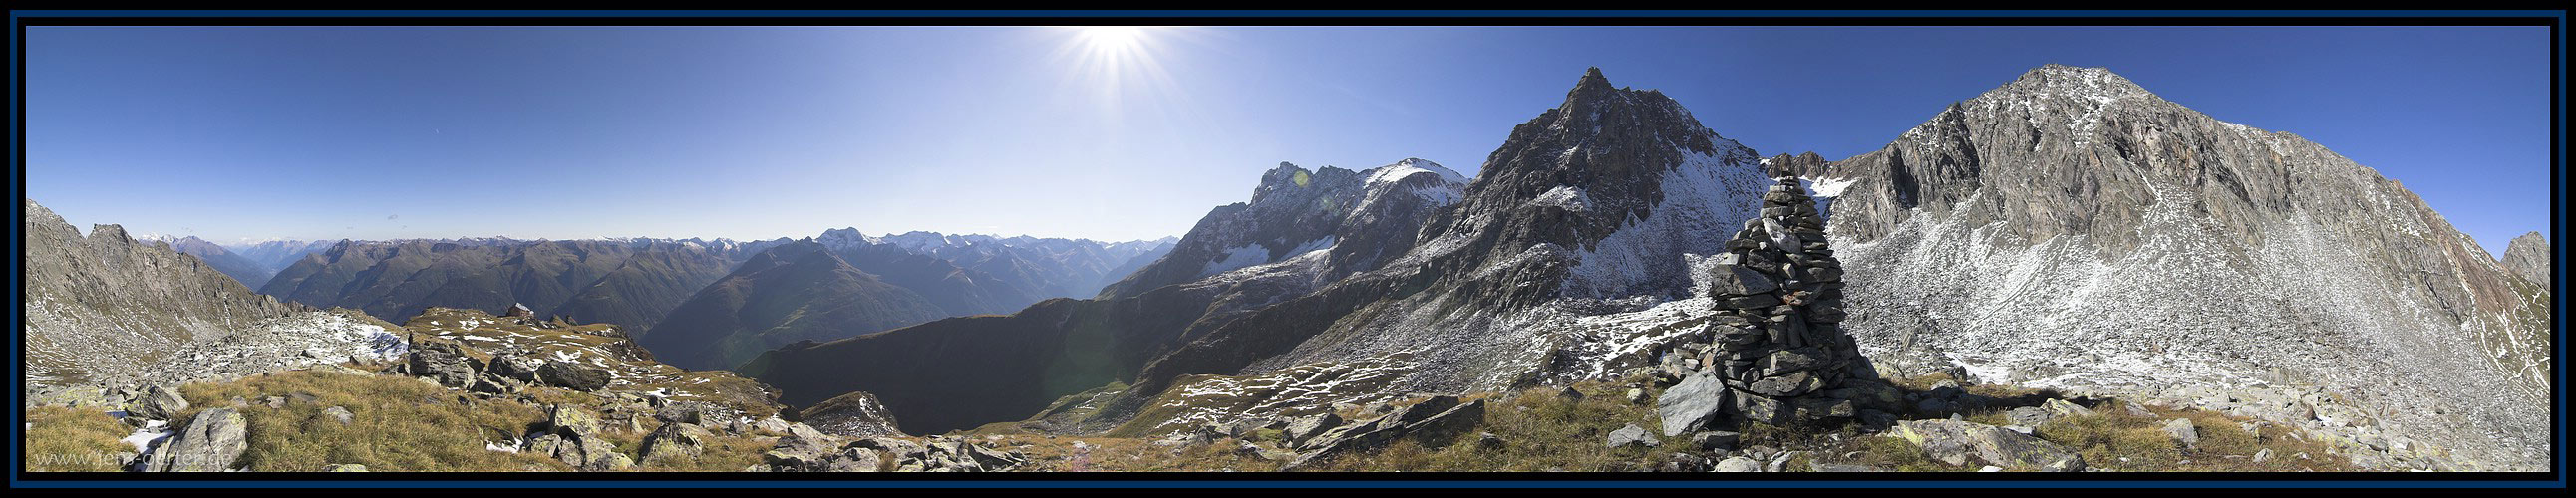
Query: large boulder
column 1305, row 429
column 213, row 440
column 513, row 367
column 1956, row 442
column 572, row 436
column 802, row 451
column 2182, row 432
column 1632, row 436
column 574, row 376
column 157, row 403
column 1435, row 423
column 1690, row 405
column 444, row 362
column 674, row 442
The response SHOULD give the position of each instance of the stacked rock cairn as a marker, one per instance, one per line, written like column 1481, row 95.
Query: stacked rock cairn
column 1776, row 350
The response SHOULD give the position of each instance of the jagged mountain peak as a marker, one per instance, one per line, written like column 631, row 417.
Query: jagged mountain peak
column 1411, row 166
column 839, row 238
column 2059, row 78
column 1293, row 178
column 1592, row 78
column 2529, row 257
column 110, row 232
column 1594, row 111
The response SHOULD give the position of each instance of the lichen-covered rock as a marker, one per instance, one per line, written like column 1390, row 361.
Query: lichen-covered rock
column 674, row 442
column 1956, row 442
column 1632, row 436
column 2182, row 432
column 212, row 442
column 444, row 362
column 574, row 376
column 1692, row 404
column 158, row 403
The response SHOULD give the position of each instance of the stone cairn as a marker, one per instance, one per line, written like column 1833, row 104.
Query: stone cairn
column 1776, row 352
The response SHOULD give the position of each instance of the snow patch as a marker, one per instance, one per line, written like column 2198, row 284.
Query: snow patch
column 1239, row 257
column 1565, row 196
column 150, row 435
column 1705, row 200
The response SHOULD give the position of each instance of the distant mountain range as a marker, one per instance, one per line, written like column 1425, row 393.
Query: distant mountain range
column 1301, row 228
column 635, row 283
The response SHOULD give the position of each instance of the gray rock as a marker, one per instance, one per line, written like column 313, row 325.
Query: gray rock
column 1784, row 386
column 1838, row 467
column 1955, row 442
column 513, row 367
column 337, row 414
column 1739, row 464
column 2029, row 416
column 803, row 451
column 444, row 362
column 1692, row 404
column 1632, row 436
column 674, row 442
column 1714, row 439
column 574, row 376
column 211, row 442
column 158, row 403
column 1435, row 430
column 2182, row 432
column 1307, row 428
column 2063, row 408
column 571, row 437
column 1736, row 280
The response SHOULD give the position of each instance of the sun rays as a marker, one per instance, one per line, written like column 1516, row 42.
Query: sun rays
column 1121, row 69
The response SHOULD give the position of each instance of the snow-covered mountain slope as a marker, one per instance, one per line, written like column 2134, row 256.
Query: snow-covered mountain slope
column 2070, row 229
column 1599, row 206
column 1360, row 218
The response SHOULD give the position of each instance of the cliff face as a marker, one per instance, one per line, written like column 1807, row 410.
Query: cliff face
column 107, row 303
column 2071, row 228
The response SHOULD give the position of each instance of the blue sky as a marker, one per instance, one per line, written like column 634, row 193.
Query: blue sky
column 760, row 132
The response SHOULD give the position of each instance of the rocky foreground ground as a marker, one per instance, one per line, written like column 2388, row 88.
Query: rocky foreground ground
column 478, row 392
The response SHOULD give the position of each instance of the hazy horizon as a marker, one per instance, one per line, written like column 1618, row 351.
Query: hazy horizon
column 755, row 133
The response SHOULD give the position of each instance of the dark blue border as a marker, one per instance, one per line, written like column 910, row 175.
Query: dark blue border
column 19, row 20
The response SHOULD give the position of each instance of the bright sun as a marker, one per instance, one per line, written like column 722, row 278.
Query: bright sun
column 1121, row 67
column 1112, row 39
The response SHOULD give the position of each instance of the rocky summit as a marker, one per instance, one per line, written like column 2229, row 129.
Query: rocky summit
column 2071, row 229
column 2528, row 256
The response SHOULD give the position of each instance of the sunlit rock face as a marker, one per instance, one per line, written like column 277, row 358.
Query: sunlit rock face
column 2071, row 229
